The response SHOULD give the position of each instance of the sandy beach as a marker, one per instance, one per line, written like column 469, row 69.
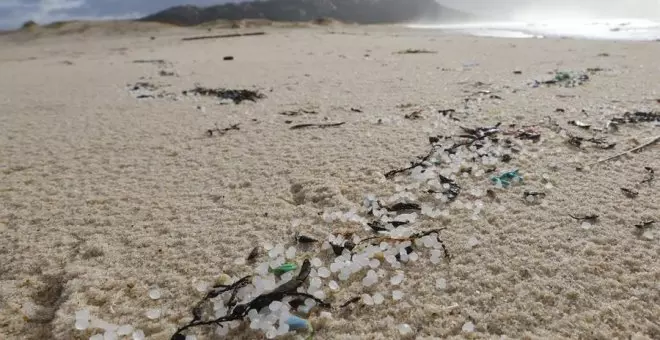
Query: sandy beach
column 106, row 195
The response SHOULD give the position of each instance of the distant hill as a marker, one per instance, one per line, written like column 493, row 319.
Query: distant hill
column 350, row 11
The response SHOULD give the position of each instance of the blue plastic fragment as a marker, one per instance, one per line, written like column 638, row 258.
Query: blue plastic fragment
column 295, row 322
column 506, row 178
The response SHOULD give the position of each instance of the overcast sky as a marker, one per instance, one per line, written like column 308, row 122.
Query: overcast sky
column 15, row 12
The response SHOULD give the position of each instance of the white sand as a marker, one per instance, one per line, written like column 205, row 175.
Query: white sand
column 104, row 195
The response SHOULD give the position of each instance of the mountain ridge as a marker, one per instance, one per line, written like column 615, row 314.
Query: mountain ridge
column 349, row 11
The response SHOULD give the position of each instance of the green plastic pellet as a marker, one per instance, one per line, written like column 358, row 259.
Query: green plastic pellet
column 287, row 267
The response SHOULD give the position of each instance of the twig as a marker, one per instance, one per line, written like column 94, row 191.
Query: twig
column 636, row 149
column 321, row 126
column 223, row 36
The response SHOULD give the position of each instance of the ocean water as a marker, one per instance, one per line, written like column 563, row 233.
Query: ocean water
column 604, row 29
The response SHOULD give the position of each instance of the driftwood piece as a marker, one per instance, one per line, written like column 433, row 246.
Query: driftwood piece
column 220, row 36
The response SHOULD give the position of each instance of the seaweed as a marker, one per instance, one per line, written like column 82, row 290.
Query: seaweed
column 305, row 239
column 471, row 135
column 602, row 143
column 254, row 253
column 292, row 113
column 416, row 51
column 403, row 206
column 222, row 131
column 415, row 115
column 565, row 79
column 645, row 224
column 650, row 175
column 240, row 311
column 590, row 218
column 629, row 193
column 237, row 96
column 350, row 302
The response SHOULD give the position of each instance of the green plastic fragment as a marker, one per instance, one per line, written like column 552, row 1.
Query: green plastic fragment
column 562, row 76
column 287, row 267
column 506, row 178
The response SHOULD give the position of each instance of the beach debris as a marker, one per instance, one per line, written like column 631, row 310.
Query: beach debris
column 531, row 196
column 305, row 239
column 151, row 61
column 415, row 115
column 268, row 300
column 480, row 132
column 650, row 175
column 517, row 72
column 629, row 193
column 145, row 89
column 299, row 112
column 218, row 131
column 353, row 109
column 577, row 141
column 591, row 218
column 143, row 85
column 505, row 179
column 565, row 79
column 416, row 51
column 594, row 70
column 579, row 124
column 452, row 188
column 449, row 113
column 227, row 57
column 254, row 253
column 237, row 96
column 164, row 73
column 603, row 54
column 645, row 224
column 155, row 293
column 635, row 117
column 635, row 149
column 287, row 267
column 321, row 126
column 470, row 137
column 296, row 323
column 339, row 244
column 350, row 301
column 479, row 96
column 404, row 329
column 398, row 207
column 529, row 132
column 221, row 36
column 468, row 327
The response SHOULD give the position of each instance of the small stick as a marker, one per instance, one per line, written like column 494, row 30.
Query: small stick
column 636, row 149
column 322, row 126
column 233, row 35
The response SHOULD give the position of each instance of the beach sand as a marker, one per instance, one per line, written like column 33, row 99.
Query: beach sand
column 105, row 195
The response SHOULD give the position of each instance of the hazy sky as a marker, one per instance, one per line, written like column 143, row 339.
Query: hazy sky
column 560, row 8
column 14, row 12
